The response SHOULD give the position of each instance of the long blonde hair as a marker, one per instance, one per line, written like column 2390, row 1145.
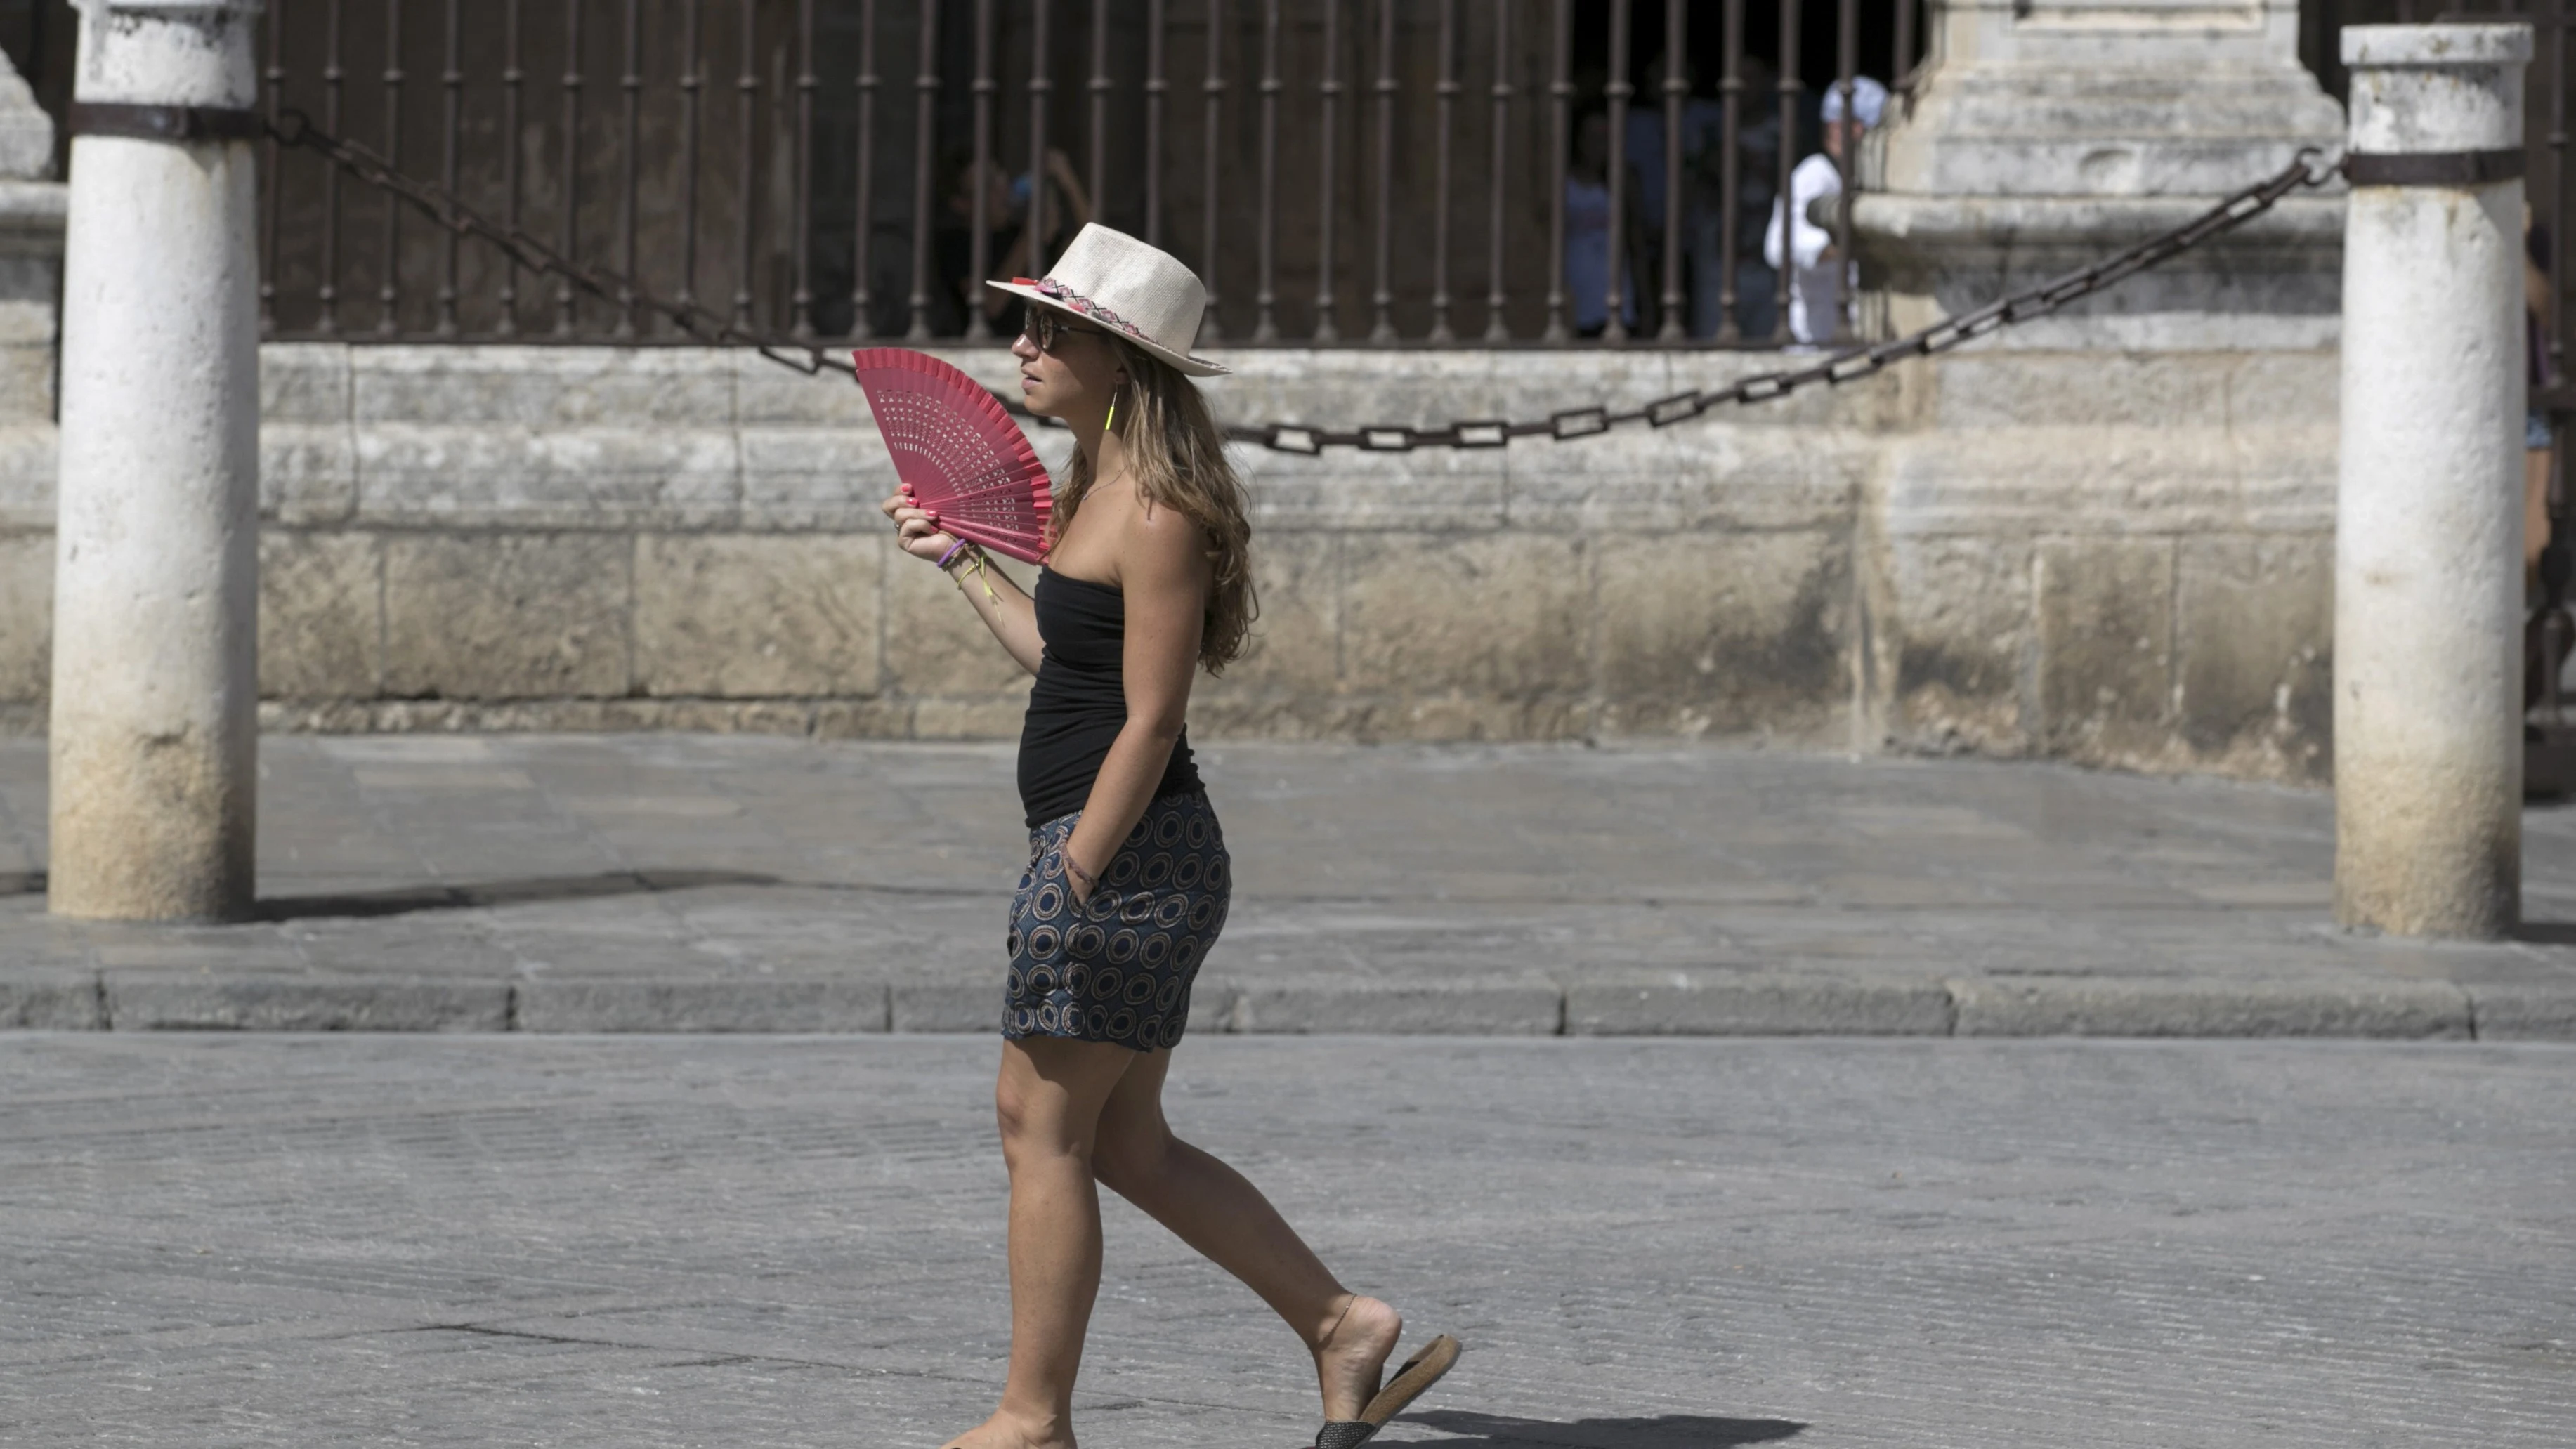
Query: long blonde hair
column 1176, row 455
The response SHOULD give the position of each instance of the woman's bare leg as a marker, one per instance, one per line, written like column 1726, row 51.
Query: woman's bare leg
column 1049, row 1101
column 1211, row 1207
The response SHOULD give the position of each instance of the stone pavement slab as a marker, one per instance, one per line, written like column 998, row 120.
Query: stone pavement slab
column 753, row 883
column 236, row 1240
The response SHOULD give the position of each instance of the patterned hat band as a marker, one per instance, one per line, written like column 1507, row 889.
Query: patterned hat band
column 1164, row 299
column 1050, row 287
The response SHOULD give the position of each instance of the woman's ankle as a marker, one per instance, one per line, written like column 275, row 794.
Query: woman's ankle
column 1337, row 1311
column 1351, row 1359
column 1047, row 1426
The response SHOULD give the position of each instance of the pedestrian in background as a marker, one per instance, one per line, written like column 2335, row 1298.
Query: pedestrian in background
column 1819, row 272
column 1587, row 233
column 1757, row 167
column 1703, row 129
column 1148, row 579
column 2539, row 464
column 1006, row 248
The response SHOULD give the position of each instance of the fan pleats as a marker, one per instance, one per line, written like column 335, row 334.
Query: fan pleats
column 957, row 451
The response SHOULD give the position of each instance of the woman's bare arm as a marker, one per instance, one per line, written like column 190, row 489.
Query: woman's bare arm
column 1077, row 200
column 1164, row 574
column 1009, row 613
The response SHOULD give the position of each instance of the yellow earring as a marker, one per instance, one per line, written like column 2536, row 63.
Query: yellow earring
column 1112, row 423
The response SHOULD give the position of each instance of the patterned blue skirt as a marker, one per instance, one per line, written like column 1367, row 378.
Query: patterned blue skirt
column 1118, row 967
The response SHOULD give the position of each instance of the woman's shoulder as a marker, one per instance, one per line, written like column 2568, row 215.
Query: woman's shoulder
column 1152, row 536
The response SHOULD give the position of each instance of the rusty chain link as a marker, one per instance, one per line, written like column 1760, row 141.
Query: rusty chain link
column 294, row 129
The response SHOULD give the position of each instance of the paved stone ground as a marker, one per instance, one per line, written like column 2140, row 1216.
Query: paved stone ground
column 564, row 1241
column 659, row 882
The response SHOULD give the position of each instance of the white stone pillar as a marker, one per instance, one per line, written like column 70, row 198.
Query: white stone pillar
column 2428, row 512
column 154, row 728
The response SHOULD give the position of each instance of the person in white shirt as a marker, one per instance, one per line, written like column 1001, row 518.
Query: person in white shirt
column 1819, row 271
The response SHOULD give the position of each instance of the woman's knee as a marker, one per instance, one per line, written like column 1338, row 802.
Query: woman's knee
column 1035, row 1121
column 1130, row 1155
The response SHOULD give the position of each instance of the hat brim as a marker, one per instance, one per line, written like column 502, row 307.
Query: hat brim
column 1181, row 362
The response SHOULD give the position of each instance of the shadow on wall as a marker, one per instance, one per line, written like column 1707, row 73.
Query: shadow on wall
column 1661, row 1431
column 405, row 900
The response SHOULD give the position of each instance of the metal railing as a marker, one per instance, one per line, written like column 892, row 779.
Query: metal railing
column 295, row 131
column 1483, row 173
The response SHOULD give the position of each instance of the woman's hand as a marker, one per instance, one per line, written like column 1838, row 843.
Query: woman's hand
column 997, row 600
column 1079, row 881
column 917, row 528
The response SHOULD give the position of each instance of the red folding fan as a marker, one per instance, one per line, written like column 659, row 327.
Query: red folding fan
column 957, row 452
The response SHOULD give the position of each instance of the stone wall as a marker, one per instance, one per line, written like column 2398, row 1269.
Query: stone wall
column 2115, row 558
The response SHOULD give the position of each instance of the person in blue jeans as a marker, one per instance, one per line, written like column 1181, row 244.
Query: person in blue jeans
column 1704, row 219
column 1703, row 131
column 1587, row 233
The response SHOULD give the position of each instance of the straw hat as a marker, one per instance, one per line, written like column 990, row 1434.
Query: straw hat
column 1141, row 293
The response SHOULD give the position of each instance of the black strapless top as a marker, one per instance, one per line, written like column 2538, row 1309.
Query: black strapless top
column 1079, row 703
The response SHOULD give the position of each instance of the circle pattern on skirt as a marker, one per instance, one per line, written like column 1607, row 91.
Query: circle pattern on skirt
column 1118, row 967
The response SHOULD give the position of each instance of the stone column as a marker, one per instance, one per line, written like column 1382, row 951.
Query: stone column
column 2428, row 518
column 154, row 713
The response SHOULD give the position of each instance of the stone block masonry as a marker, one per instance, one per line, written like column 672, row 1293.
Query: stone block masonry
column 2116, row 558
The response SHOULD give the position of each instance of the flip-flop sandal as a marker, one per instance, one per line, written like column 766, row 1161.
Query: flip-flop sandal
column 1420, row 1372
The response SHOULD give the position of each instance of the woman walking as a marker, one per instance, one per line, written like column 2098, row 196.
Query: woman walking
column 1148, row 578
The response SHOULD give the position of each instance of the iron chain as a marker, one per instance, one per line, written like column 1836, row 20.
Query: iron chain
column 294, row 129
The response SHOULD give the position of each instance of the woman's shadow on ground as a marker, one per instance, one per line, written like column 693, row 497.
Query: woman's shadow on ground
column 1661, row 1431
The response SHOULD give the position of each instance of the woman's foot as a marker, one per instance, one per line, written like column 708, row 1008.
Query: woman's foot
column 1005, row 1431
column 1353, row 1354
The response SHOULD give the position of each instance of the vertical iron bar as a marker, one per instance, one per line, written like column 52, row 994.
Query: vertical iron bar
column 1265, row 300
column 275, row 76
column 1214, row 90
column 389, row 280
column 1157, row 86
column 1041, row 90
column 746, row 85
column 693, row 83
column 860, row 299
column 567, row 227
column 925, row 87
column 979, row 247
column 1382, row 296
column 513, row 77
column 2562, row 461
column 1496, row 330
column 1730, row 168
column 1614, row 326
column 2560, row 200
column 1445, row 104
column 1847, row 65
column 1676, row 36
column 1789, row 88
column 1903, row 63
column 630, row 81
column 802, row 324
column 332, row 75
column 1560, row 90
column 1328, row 97
column 1098, row 170
column 452, row 79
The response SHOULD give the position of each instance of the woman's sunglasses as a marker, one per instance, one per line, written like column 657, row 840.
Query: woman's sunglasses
column 1046, row 325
